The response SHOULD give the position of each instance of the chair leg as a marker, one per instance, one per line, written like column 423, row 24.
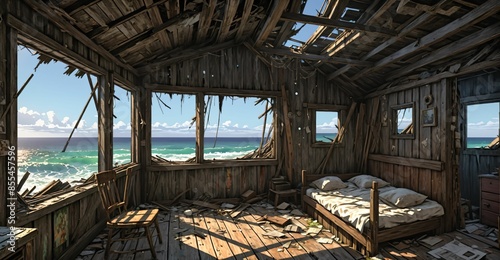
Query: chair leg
column 108, row 243
column 158, row 230
column 150, row 241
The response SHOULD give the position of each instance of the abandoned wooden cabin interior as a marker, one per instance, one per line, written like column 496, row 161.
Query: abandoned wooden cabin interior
column 374, row 64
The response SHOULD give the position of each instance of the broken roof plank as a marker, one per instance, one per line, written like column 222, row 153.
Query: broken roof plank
column 336, row 7
column 229, row 12
column 478, row 14
column 205, row 20
column 453, row 48
column 309, row 56
column 247, row 9
column 286, row 29
column 309, row 19
column 405, row 31
column 76, row 33
column 273, row 18
column 156, row 20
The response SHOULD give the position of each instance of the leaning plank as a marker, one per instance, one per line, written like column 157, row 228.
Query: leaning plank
column 275, row 14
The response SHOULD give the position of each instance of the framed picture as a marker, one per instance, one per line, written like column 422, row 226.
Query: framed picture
column 429, row 117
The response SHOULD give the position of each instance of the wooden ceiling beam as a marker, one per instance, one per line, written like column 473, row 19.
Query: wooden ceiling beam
column 480, row 13
column 79, row 5
column 151, row 32
column 49, row 13
column 188, row 53
column 247, row 9
column 205, row 20
column 156, row 20
column 315, row 57
column 309, row 19
column 453, row 48
column 286, row 29
column 273, row 18
column 336, row 9
column 229, row 12
column 409, row 28
column 148, row 8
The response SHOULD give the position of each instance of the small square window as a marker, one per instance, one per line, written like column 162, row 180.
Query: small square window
column 403, row 118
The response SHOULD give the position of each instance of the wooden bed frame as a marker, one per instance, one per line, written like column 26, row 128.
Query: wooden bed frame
column 366, row 242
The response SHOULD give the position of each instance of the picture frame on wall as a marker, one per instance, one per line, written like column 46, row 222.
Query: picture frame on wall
column 429, row 117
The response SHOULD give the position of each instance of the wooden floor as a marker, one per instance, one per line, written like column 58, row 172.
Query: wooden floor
column 213, row 234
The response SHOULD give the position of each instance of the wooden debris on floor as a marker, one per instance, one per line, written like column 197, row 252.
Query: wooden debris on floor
column 213, row 229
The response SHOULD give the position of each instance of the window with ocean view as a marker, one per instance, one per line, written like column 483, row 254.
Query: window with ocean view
column 173, row 128
column 122, row 131
column 402, row 120
column 482, row 125
column 234, row 128
column 326, row 126
column 46, row 122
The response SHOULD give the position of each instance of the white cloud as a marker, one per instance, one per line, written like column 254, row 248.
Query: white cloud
column 40, row 122
column 227, row 123
column 65, row 120
column 50, row 115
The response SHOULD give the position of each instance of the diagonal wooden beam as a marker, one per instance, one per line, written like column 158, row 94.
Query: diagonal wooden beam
column 336, row 8
column 315, row 57
column 205, row 20
column 229, row 12
column 409, row 28
column 151, row 32
column 46, row 11
column 286, row 29
column 451, row 49
column 79, row 5
column 156, row 19
column 147, row 8
column 247, row 9
column 272, row 19
column 309, row 19
column 188, row 53
column 480, row 13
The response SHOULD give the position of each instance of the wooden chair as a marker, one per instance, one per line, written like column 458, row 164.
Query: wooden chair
column 128, row 222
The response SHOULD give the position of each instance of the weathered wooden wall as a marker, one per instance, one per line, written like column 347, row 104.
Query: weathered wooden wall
column 238, row 71
column 85, row 217
column 473, row 162
column 425, row 163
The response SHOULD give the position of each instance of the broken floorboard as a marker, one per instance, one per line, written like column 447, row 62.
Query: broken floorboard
column 214, row 234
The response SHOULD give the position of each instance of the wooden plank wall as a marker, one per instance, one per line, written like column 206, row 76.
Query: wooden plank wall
column 429, row 143
column 239, row 70
column 85, row 221
column 484, row 87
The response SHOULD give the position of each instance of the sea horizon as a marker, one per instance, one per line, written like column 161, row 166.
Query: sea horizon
column 44, row 159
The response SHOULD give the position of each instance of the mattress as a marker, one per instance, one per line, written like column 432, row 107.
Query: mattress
column 352, row 204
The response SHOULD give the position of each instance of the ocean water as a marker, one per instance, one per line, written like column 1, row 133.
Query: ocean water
column 44, row 159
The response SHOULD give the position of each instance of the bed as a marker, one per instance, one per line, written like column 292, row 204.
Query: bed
column 356, row 214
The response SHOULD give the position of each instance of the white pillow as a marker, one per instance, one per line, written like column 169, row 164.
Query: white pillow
column 365, row 181
column 402, row 198
column 329, row 183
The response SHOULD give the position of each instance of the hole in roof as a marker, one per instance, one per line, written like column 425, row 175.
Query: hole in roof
column 313, row 8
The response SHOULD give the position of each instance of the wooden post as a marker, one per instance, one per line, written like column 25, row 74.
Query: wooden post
column 372, row 246
column 145, row 141
column 105, row 119
column 200, row 126
column 8, row 88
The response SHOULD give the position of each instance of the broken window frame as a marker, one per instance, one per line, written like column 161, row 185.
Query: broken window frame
column 394, row 121
column 313, row 109
column 200, row 135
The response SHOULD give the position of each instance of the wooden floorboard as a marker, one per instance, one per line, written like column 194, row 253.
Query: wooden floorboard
column 214, row 234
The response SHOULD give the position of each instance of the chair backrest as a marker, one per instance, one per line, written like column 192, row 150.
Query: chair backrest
column 109, row 193
column 130, row 183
